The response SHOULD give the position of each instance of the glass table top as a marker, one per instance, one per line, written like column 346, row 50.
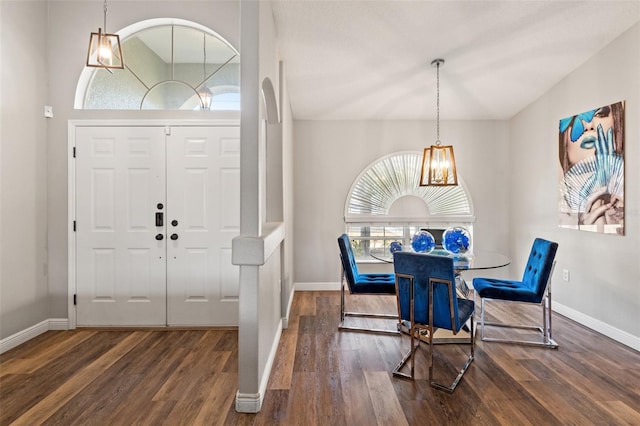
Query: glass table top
column 479, row 259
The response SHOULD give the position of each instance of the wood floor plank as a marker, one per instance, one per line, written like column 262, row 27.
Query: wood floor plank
column 218, row 400
column 508, row 362
column 284, row 361
column 386, row 406
column 34, row 345
column 620, row 412
column 419, row 412
column 274, row 410
column 357, row 403
column 329, row 395
column 154, row 413
column 555, row 400
column 321, row 376
column 583, row 378
column 206, row 379
column 514, row 412
column 302, row 410
column 197, row 368
column 50, row 404
column 159, row 372
column 305, row 360
column 306, row 304
column 22, row 391
column 44, row 354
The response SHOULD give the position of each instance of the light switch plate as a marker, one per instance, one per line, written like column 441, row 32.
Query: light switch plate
column 48, row 111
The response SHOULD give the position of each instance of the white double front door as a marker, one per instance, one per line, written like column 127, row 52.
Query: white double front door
column 156, row 210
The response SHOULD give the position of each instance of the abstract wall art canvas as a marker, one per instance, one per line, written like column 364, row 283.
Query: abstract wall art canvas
column 591, row 154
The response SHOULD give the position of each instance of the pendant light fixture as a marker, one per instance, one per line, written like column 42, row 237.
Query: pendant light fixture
column 105, row 50
column 438, row 162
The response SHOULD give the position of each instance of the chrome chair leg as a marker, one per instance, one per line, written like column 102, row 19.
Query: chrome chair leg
column 545, row 330
column 413, row 331
column 344, row 314
column 411, row 355
column 450, row 388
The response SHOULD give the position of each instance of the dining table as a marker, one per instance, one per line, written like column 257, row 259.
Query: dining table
column 472, row 261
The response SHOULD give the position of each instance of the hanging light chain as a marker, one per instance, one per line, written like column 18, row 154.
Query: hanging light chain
column 105, row 16
column 438, row 163
column 438, row 103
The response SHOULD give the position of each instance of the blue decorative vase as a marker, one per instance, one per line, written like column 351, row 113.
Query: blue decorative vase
column 423, row 242
column 456, row 240
column 395, row 246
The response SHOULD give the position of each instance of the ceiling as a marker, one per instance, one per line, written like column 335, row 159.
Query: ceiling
column 354, row 60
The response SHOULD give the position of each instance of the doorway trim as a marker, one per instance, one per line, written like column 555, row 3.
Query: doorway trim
column 71, row 183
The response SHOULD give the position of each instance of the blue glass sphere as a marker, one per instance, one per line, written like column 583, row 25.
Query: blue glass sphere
column 423, row 242
column 395, row 246
column 456, row 240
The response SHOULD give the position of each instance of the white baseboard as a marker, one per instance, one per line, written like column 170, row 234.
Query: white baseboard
column 248, row 402
column 252, row 402
column 27, row 334
column 326, row 286
column 285, row 320
column 623, row 337
column 58, row 324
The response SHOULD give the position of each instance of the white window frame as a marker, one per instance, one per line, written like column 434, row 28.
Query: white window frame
column 86, row 77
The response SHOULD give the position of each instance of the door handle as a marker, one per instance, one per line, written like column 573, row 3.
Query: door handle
column 159, row 219
column 174, row 237
column 159, row 237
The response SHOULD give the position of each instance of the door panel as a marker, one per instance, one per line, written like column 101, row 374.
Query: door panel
column 203, row 197
column 121, row 267
column 125, row 275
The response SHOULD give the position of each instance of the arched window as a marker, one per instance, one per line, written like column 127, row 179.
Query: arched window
column 170, row 64
column 386, row 203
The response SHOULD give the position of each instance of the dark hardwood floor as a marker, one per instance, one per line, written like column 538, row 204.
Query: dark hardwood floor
column 321, row 377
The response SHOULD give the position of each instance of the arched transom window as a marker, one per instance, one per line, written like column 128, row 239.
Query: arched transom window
column 386, row 203
column 170, row 64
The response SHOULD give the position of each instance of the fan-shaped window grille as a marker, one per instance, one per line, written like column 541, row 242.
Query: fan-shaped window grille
column 170, row 64
column 387, row 204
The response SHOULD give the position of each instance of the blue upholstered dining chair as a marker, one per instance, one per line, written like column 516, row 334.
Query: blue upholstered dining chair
column 427, row 300
column 362, row 284
column 534, row 288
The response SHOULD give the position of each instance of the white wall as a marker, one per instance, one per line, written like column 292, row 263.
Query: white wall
column 288, row 162
column 329, row 156
column 70, row 23
column 258, row 250
column 604, row 287
column 23, row 169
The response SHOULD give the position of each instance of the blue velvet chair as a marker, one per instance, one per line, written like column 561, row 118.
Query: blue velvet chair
column 427, row 300
column 361, row 284
column 534, row 288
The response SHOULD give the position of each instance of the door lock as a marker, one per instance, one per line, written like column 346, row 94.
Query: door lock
column 159, row 237
column 174, row 237
column 159, row 219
